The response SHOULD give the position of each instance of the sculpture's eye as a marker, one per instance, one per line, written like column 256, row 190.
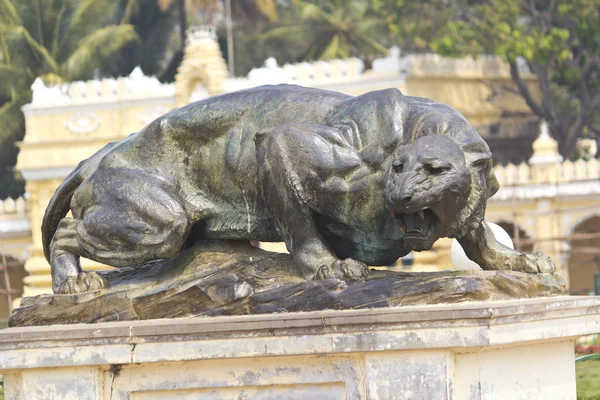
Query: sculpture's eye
column 398, row 168
column 435, row 170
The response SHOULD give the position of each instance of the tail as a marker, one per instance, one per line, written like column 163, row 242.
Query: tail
column 59, row 206
column 60, row 203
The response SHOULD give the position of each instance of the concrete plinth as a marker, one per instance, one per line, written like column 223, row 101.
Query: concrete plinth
column 521, row 349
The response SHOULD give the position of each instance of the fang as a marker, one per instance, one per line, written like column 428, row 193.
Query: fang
column 421, row 215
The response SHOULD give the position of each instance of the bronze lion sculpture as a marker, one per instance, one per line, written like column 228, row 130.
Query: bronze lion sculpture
column 344, row 181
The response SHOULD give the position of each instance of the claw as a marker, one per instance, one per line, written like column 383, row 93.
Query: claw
column 345, row 270
column 83, row 283
column 324, row 272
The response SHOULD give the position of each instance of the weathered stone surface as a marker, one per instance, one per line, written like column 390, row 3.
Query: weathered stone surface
column 506, row 349
column 215, row 278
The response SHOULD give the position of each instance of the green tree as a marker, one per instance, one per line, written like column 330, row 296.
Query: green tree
column 410, row 24
column 57, row 40
column 250, row 20
column 248, row 16
column 334, row 29
column 67, row 40
column 158, row 51
column 559, row 42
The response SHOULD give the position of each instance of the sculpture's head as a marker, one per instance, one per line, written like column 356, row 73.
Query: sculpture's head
column 427, row 189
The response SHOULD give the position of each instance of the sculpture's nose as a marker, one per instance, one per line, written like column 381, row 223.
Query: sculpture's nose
column 404, row 196
column 402, row 192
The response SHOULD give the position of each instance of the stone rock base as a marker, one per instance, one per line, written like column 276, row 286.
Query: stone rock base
column 224, row 278
column 516, row 349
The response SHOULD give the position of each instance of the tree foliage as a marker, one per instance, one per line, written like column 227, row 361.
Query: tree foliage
column 250, row 23
column 559, row 42
column 334, row 29
column 411, row 25
column 157, row 50
column 250, row 17
column 62, row 41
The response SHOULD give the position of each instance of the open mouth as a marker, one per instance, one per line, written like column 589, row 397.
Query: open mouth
column 418, row 228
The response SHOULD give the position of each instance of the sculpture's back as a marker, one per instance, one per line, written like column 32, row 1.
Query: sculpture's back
column 344, row 181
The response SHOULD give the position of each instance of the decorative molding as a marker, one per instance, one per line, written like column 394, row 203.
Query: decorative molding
column 393, row 63
column 83, row 123
column 15, row 226
column 135, row 86
column 530, row 192
column 46, row 173
column 198, row 33
column 544, row 205
column 565, row 171
column 12, row 207
column 545, row 159
column 309, row 74
column 29, row 110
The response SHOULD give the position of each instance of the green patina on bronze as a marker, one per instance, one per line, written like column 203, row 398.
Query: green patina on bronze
column 344, row 181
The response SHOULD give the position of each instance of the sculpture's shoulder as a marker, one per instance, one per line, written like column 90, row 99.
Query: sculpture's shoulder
column 373, row 117
column 424, row 117
column 267, row 96
column 259, row 107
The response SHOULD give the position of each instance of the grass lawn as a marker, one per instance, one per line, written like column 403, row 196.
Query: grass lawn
column 588, row 379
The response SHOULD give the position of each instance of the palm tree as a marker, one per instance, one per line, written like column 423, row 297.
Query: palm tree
column 334, row 29
column 267, row 8
column 159, row 51
column 58, row 40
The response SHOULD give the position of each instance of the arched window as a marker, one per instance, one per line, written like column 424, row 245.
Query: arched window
column 521, row 239
column 584, row 256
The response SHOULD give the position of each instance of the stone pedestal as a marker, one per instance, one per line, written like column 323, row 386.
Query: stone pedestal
column 517, row 349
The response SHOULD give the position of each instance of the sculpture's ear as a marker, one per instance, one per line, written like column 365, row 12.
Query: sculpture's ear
column 477, row 158
column 482, row 161
column 493, row 184
column 477, row 154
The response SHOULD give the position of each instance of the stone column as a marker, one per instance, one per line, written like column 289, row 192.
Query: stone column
column 38, row 281
column 545, row 170
column 202, row 65
column 545, row 162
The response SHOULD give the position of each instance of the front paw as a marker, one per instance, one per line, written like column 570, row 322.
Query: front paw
column 348, row 270
column 536, row 263
column 85, row 282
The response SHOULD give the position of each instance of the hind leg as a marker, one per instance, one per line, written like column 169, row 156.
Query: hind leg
column 130, row 219
column 76, row 238
column 67, row 276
